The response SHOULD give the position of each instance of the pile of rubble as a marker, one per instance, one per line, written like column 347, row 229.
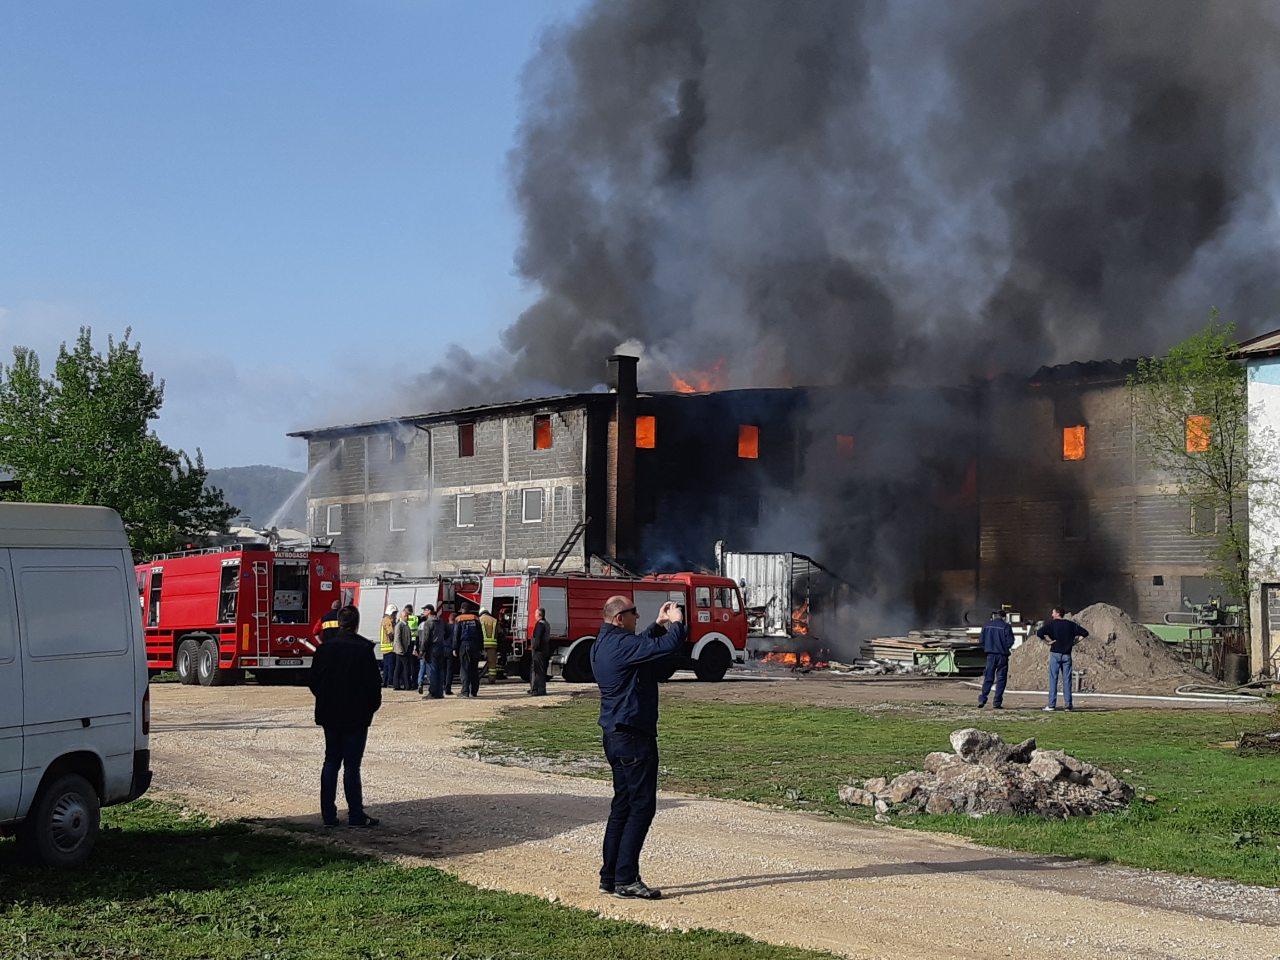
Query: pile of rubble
column 986, row 775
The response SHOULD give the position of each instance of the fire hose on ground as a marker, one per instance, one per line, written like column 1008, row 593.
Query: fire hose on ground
column 1193, row 695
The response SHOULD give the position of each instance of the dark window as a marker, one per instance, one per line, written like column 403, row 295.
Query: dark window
column 466, row 510
column 466, row 439
column 844, row 446
column 228, row 592
column 1075, row 520
column 335, row 452
column 1204, row 519
column 396, row 450
column 1157, row 581
column 542, row 431
column 153, row 614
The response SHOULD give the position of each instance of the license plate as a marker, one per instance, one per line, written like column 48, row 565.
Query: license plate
column 288, row 663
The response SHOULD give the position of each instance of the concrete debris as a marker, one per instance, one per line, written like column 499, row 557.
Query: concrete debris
column 986, row 775
column 1118, row 656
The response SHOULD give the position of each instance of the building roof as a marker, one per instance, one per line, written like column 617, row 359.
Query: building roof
column 462, row 413
column 1084, row 371
column 1265, row 345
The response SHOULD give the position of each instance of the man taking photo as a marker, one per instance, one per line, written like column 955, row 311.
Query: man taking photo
column 627, row 669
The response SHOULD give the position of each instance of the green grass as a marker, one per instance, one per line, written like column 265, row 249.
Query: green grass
column 164, row 884
column 1216, row 813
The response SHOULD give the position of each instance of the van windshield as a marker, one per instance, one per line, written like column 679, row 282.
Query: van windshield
column 289, row 601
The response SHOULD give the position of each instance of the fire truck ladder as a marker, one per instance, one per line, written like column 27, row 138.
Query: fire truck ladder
column 262, row 609
column 566, row 548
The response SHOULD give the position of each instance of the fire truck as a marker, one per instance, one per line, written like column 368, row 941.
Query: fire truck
column 713, row 611
column 212, row 614
column 712, row 607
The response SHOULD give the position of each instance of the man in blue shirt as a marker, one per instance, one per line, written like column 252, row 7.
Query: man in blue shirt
column 627, row 669
column 997, row 644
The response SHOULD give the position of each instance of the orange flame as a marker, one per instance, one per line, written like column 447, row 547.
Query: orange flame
column 796, row 661
column 701, row 381
column 800, row 618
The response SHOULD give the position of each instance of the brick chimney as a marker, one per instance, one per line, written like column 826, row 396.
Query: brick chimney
column 620, row 527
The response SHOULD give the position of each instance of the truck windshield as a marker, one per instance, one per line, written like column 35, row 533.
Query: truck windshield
column 289, row 601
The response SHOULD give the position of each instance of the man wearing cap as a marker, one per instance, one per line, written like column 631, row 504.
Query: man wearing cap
column 628, row 667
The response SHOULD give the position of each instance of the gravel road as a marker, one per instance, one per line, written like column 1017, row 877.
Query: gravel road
column 785, row 877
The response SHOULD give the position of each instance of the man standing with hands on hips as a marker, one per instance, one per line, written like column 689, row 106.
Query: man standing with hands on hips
column 627, row 669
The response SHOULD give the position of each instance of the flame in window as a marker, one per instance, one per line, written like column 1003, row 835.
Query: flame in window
column 542, row 432
column 646, row 432
column 1198, row 432
column 748, row 442
column 1073, row 443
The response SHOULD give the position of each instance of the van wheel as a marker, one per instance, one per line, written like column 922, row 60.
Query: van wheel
column 713, row 664
column 184, row 661
column 577, row 668
column 62, row 827
column 212, row 675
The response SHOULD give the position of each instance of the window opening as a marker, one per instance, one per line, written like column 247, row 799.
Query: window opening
column 542, row 431
column 646, row 432
column 748, row 442
column 1204, row 518
column 466, row 439
column 466, row 510
column 702, row 596
column 531, row 506
column 228, row 593
column 333, row 519
column 1073, row 442
column 153, row 608
column 1198, row 433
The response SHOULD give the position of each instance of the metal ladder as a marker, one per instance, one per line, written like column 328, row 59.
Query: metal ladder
column 566, row 548
column 262, row 608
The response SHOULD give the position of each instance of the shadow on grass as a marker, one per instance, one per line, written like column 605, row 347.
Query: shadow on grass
column 147, row 849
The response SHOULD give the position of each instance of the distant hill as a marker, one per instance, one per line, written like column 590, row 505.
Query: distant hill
column 258, row 491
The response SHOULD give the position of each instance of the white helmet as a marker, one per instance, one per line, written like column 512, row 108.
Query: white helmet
column 391, row 609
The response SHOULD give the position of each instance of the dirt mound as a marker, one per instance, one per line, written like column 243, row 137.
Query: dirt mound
column 1118, row 656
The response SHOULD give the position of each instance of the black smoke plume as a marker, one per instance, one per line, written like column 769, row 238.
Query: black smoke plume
column 858, row 192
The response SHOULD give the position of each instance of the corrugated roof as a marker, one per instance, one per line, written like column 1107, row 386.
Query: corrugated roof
column 564, row 399
column 1266, row 345
column 1084, row 371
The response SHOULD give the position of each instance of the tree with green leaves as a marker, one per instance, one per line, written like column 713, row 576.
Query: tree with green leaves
column 1192, row 412
column 83, row 435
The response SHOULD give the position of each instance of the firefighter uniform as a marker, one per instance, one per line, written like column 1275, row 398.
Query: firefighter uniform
column 467, row 647
column 489, row 629
column 387, row 645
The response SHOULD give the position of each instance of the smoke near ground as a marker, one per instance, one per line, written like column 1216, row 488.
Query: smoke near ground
column 835, row 192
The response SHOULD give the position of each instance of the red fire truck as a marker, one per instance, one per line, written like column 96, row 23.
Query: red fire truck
column 211, row 614
column 712, row 606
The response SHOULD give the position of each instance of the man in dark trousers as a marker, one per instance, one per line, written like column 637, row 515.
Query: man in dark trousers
column 347, row 685
column 1062, row 635
column 997, row 643
column 468, row 647
column 402, row 641
column 627, row 669
column 539, row 647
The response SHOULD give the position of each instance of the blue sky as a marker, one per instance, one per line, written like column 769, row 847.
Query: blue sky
column 291, row 204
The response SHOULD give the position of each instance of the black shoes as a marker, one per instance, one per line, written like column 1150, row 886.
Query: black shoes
column 637, row 891
column 367, row 822
column 606, row 886
column 998, row 706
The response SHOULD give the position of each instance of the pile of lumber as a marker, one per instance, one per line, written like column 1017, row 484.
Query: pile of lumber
column 904, row 649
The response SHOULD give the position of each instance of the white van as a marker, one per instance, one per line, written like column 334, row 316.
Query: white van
column 74, row 706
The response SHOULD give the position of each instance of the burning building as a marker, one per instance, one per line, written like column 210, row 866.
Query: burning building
column 930, row 503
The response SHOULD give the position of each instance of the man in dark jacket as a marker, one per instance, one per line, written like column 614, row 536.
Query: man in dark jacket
column 1062, row 635
column 347, row 685
column 627, row 669
column 997, row 643
column 468, row 647
column 539, row 647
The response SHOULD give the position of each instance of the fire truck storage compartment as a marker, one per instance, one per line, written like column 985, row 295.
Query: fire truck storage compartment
column 291, row 588
column 375, row 596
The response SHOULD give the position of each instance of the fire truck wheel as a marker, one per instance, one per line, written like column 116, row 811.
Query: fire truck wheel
column 713, row 663
column 185, row 660
column 577, row 668
column 212, row 675
column 62, row 826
